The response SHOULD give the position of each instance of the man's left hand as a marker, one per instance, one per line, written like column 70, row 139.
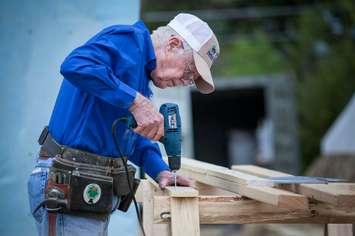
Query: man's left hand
column 166, row 178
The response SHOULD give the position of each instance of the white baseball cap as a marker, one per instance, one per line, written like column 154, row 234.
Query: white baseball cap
column 204, row 43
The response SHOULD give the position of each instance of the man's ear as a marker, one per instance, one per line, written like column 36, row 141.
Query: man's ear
column 174, row 42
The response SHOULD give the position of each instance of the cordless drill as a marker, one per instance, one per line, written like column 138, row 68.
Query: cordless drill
column 172, row 135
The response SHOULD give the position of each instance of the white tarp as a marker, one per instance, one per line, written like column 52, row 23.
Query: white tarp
column 340, row 138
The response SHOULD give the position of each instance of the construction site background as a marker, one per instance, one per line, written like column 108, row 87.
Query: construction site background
column 311, row 41
column 255, row 118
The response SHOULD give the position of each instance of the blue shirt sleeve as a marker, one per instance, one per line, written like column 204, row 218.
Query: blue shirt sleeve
column 148, row 156
column 89, row 68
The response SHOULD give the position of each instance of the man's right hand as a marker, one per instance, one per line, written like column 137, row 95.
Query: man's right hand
column 150, row 123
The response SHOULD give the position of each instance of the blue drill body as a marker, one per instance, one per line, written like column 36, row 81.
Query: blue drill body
column 172, row 134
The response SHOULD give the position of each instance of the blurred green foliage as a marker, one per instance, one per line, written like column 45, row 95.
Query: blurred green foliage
column 250, row 56
column 323, row 60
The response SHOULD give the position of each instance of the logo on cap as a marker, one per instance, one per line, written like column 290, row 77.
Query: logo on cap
column 212, row 53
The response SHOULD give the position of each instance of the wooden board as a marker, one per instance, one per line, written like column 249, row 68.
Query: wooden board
column 339, row 230
column 179, row 191
column 185, row 218
column 206, row 190
column 258, row 171
column 338, row 194
column 208, row 169
column 234, row 210
column 238, row 183
column 148, row 207
column 145, row 194
column 184, row 211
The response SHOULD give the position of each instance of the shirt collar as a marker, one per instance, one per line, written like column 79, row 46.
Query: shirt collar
column 150, row 54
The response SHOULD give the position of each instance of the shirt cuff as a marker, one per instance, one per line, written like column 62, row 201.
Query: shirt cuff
column 130, row 94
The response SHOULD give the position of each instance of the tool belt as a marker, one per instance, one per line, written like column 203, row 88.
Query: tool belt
column 83, row 181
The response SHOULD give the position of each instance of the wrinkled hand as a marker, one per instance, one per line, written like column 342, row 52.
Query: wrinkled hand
column 166, row 178
column 150, row 123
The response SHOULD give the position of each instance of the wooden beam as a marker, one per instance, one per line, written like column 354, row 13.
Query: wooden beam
column 234, row 210
column 181, row 191
column 205, row 189
column 223, row 173
column 185, row 218
column 258, row 171
column 238, row 183
column 338, row 194
column 184, row 211
column 140, row 191
column 339, row 230
column 148, row 207
column 145, row 194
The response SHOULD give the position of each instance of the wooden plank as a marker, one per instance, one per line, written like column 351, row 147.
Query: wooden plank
column 236, row 210
column 184, row 216
column 205, row 189
column 276, row 197
column 179, row 191
column 184, row 211
column 338, row 194
column 340, row 230
column 258, row 171
column 145, row 194
column 208, row 169
column 162, row 229
column 148, row 208
column 140, row 190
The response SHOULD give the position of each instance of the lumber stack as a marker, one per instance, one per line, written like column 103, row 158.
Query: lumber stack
column 241, row 195
column 338, row 194
column 245, row 184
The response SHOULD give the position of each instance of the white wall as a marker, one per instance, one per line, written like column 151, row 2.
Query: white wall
column 35, row 37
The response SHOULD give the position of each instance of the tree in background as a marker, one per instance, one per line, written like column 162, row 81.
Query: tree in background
column 322, row 57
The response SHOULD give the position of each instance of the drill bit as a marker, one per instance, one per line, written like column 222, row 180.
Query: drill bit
column 174, row 173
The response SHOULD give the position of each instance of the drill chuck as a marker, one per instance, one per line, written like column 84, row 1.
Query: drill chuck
column 174, row 162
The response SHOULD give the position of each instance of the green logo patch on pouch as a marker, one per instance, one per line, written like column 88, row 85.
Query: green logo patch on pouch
column 92, row 193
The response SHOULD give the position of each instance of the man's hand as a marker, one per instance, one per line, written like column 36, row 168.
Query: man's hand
column 166, row 178
column 150, row 123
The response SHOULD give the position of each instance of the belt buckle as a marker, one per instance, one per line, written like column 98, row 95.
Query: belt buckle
column 62, row 149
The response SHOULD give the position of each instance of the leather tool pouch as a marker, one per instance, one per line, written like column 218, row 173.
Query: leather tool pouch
column 86, row 187
column 127, row 199
column 91, row 193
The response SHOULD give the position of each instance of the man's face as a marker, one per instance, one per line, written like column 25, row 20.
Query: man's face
column 174, row 68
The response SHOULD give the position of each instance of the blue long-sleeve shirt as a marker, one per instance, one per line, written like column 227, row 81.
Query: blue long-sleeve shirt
column 102, row 78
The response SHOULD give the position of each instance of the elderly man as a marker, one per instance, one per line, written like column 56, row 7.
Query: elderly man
column 106, row 78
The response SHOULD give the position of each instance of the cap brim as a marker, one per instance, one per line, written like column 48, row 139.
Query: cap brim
column 204, row 83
